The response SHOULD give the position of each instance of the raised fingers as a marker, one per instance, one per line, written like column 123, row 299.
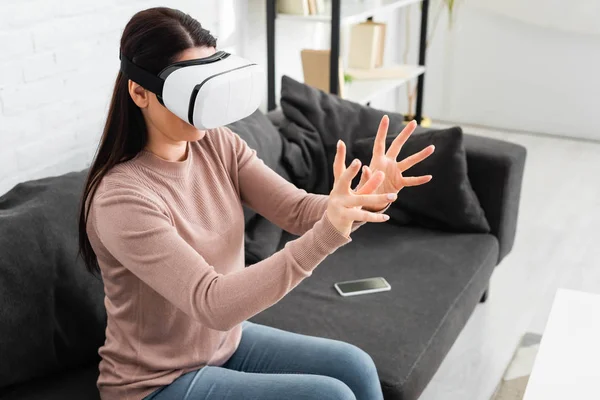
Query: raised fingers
column 369, row 199
column 416, row 158
column 339, row 162
column 373, row 180
column 367, row 172
column 345, row 179
column 379, row 144
column 399, row 141
column 415, row 180
column 365, row 216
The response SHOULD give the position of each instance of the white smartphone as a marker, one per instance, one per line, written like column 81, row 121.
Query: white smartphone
column 362, row 286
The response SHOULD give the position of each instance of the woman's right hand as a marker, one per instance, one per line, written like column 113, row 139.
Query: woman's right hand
column 345, row 205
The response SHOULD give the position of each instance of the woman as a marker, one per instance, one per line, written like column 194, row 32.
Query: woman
column 163, row 223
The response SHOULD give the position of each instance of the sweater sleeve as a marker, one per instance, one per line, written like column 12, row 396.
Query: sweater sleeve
column 273, row 197
column 139, row 235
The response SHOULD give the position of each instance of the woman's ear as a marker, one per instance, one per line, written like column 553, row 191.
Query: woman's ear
column 139, row 95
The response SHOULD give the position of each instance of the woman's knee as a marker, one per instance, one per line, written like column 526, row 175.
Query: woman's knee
column 328, row 388
column 357, row 361
column 357, row 369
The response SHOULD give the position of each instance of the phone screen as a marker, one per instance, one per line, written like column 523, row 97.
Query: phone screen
column 359, row 286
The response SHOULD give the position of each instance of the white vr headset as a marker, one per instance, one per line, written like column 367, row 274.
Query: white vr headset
column 206, row 92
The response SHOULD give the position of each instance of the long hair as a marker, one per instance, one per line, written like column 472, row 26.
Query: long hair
column 152, row 39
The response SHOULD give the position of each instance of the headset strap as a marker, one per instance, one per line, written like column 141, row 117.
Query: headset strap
column 145, row 79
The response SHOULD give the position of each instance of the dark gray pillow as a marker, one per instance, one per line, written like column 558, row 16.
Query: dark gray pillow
column 52, row 315
column 315, row 122
column 448, row 201
column 310, row 110
column 304, row 157
column 261, row 237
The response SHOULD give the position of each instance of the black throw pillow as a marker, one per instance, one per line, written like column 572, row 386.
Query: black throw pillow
column 304, row 158
column 448, row 201
column 316, row 120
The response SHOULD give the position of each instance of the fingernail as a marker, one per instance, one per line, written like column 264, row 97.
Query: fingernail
column 386, row 217
column 339, row 143
column 391, row 196
column 355, row 162
column 364, row 169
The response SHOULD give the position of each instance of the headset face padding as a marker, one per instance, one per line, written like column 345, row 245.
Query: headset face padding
column 207, row 92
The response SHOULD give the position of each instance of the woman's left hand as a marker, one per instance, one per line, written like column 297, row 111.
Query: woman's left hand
column 386, row 162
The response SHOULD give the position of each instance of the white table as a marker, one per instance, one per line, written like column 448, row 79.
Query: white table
column 568, row 362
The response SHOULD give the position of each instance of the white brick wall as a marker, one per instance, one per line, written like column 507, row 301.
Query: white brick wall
column 58, row 62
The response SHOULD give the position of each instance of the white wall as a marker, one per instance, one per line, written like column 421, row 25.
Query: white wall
column 501, row 71
column 58, row 62
column 491, row 68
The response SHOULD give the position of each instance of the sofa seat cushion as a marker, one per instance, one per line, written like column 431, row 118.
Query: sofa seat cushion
column 78, row 384
column 437, row 280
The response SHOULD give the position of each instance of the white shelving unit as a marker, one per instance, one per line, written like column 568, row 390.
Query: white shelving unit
column 340, row 13
column 365, row 90
column 353, row 11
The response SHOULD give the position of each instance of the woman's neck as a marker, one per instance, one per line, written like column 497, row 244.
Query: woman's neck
column 169, row 152
column 165, row 148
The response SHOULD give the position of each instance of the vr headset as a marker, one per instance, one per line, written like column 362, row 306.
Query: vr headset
column 206, row 92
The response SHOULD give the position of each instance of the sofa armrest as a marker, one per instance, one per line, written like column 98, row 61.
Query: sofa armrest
column 495, row 169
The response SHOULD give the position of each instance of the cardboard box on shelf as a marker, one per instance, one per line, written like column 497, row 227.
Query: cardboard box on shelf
column 297, row 7
column 315, row 65
column 367, row 43
column 381, row 47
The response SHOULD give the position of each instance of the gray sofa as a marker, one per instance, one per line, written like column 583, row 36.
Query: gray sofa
column 52, row 317
column 437, row 278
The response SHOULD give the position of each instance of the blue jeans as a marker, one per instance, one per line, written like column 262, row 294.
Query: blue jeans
column 271, row 364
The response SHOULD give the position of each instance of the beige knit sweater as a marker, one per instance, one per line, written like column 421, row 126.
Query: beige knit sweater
column 169, row 237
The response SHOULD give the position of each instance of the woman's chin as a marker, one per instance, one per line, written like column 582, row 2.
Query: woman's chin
column 196, row 134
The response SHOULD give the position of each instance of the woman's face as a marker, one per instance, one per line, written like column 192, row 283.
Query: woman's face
column 159, row 120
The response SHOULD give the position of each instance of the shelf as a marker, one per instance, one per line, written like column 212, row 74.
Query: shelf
column 364, row 90
column 353, row 12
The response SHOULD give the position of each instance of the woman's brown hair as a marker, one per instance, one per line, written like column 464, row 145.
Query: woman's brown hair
column 152, row 39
